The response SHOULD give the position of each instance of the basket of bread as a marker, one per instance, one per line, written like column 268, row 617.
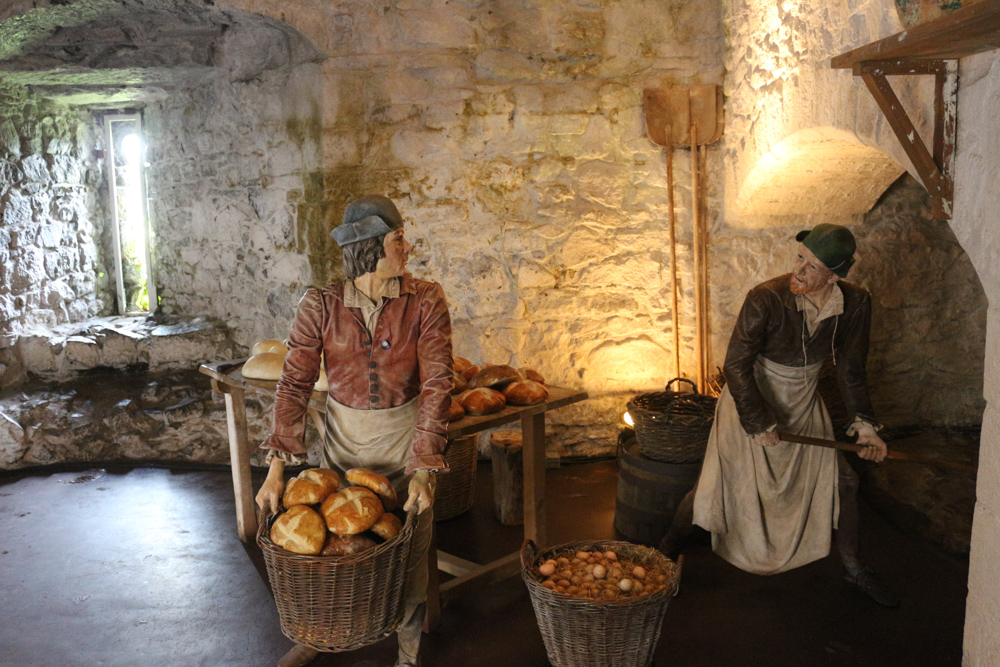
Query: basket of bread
column 336, row 558
column 599, row 603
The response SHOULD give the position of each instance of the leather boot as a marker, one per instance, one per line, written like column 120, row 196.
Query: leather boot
column 297, row 657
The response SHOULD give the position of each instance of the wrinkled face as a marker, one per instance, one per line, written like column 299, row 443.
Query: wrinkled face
column 810, row 274
column 397, row 252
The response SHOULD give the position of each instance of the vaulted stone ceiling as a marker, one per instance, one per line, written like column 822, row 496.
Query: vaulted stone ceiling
column 113, row 53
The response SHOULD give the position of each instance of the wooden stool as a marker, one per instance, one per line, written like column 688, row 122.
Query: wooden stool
column 508, row 477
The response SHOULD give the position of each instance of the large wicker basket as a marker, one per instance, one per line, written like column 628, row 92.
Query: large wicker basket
column 594, row 633
column 338, row 603
column 456, row 489
column 671, row 426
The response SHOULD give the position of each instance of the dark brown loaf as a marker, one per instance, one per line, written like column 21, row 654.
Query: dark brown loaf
column 457, row 411
column 525, row 392
column 460, row 383
column 482, row 401
column 531, row 374
column 461, row 364
column 470, row 372
column 299, row 530
column 351, row 511
column 347, row 545
column 494, row 376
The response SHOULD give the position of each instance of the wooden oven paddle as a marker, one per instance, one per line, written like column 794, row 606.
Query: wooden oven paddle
column 851, row 447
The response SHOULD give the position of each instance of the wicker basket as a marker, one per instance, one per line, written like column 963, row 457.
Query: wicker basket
column 591, row 633
column 456, row 489
column 338, row 603
column 672, row 426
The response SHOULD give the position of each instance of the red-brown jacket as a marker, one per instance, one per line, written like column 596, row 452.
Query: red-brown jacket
column 409, row 356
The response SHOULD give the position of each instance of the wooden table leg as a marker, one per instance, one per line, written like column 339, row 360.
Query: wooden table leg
column 533, row 441
column 239, row 459
column 432, row 616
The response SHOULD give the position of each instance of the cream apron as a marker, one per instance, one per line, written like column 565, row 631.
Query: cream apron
column 771, row 509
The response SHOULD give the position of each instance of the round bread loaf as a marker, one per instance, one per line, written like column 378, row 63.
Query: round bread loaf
column 525, row 392
column 457, row 411
column 264, row 366
column 377, row 483
column 299, row 530
column 388, row 526
column 350, row 512
column 459, row 383
column 275, row 346
column 482, row 401
column 310, row 487
column 347, row 545
column 531, row 374
column 494, row 376
column 470, row 372
column 461, row 364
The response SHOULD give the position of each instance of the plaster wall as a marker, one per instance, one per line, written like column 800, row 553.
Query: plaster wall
column 977, row 200
column 50, row 263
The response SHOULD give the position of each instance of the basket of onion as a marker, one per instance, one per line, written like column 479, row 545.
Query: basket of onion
column 599, row 603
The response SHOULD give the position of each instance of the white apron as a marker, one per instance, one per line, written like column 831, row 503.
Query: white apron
column 771, row 509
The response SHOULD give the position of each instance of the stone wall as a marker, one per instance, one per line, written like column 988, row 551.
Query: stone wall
column 50, row 263
column 228, row 165
column 977, row 200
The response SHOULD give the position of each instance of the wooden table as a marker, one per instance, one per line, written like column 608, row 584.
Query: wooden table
column 227, row 379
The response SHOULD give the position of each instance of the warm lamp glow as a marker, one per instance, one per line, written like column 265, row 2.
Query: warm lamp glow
column 628, row 419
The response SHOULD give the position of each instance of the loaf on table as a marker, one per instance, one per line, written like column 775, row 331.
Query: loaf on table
column 299, row 530
column 456, row 411
column 275, row 346
column 482, row 401
column 494, row 377
column 525, row 392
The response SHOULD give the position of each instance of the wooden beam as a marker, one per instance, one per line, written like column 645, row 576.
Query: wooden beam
column 963, row 32
column 904, row 66
column 498, row 570
column 239, row 459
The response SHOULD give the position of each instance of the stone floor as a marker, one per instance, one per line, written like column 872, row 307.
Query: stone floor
column 141, row 566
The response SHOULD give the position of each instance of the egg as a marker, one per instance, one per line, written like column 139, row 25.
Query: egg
column 639, row 572
column 611, row 555
column 599, row 572
column 625, row 585
column 549, row 585
column 547, row 569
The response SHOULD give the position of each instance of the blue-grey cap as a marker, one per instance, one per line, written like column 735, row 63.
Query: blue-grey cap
column 365, row 218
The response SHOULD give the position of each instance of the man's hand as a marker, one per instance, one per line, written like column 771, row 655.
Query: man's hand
column 270, row 492
column 421, row 491
column 875, row 448
column 766, row 439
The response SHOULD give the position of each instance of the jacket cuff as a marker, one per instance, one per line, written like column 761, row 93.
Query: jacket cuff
column 286, row 444
column 860, row 424
column 430, row 462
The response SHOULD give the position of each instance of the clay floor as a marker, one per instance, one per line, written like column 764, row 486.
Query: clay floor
column 142, row 566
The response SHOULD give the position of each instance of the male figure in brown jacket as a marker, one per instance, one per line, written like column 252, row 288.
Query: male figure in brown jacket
column 772, row 505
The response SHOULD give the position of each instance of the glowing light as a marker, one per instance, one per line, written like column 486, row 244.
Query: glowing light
column 628, row 419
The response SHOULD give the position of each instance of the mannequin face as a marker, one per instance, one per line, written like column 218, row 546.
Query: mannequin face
column 810, row 274
column 397, row 252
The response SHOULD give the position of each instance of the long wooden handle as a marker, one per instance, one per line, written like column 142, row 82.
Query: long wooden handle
column 892, row 454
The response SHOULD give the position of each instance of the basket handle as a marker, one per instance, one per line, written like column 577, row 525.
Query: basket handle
column 694, row 388
column 529, row 552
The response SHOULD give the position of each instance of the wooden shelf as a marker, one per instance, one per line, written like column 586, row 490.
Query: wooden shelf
column 961, row 33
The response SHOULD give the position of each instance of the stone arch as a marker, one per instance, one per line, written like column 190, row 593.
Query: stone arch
column 819, row 174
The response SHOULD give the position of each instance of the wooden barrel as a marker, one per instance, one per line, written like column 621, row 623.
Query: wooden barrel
column 649, row 492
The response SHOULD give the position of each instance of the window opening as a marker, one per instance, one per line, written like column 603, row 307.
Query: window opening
column 133, row 236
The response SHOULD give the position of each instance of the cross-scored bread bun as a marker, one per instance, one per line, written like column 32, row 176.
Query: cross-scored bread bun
column 482, row 401
column 310, row 487
column 346, row 545
column 525, row 392
column 388, row 526
column 495, row 377
column 461, row 364
column 275, row 346
column 459, row 383
column 456, row 411
column 350, row 512
column 300, row 530
column 377, row 483
column 264, row 366
column 531, row 374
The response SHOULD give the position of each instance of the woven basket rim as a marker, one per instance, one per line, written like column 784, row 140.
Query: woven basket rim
column 265, row 543
column 531, row 554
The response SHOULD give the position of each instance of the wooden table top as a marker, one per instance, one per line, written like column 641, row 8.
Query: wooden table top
column 228, row 372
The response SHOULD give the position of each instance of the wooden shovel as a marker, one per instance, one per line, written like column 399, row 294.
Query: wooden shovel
column 850, row 447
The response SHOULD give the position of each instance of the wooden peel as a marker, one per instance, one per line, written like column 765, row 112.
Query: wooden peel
column 852, row 447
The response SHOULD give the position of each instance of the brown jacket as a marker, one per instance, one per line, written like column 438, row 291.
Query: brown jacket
column 771, row 326
column 409, row 356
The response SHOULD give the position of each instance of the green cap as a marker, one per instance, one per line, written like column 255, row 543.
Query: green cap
column 832, row 244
